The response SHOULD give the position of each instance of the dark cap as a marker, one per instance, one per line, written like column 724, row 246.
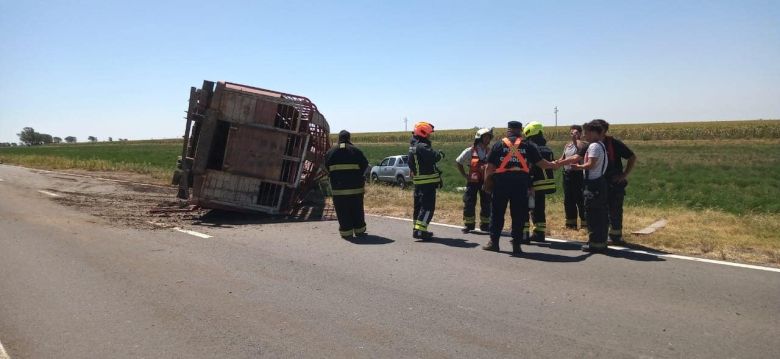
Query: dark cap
column 344, row 136
column 514, row 125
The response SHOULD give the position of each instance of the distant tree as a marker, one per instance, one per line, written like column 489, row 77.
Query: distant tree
column 5, row 144
column 45, row 139
column 56, row 139
column 92, row 139
column 70, row 139
column 14, row 144
column 110, row 139
column 28, row 136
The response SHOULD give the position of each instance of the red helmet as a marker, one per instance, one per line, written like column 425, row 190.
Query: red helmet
column 423, row 129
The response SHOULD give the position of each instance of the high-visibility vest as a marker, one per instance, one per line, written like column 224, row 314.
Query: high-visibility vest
column 514, row 152
column 476, row 167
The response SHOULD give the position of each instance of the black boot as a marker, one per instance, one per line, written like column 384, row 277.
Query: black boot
column 491, row 246
column 516, row 250
column 468, row 228
column 484, row 227
column 538, row 237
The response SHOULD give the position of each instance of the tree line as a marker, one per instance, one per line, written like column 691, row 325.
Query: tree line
column 30, row 137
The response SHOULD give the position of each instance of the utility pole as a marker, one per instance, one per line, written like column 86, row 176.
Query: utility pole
column 556, row 121
column 406, row 121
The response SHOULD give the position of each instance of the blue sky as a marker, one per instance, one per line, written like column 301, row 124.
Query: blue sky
column 123, row 69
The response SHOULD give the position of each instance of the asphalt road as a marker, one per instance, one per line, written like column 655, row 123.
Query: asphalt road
column 73, row 285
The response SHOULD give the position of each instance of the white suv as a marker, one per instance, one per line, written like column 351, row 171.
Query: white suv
column 393, row 169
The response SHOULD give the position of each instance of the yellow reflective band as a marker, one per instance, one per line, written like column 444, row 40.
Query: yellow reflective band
column 346, row 233
column 418, row 180
column 548, row 186
column 360, row 230
column 544, row 181
column 420, row 225
column 424, row 177
column 347, row 192
column 344, row 167
column 342, row 145
column 484, row 219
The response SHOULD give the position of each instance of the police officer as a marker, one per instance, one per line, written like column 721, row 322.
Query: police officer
column 346, row 164
column 507, row 177
column 426, row 178
column 595, row 187
column 573, row 203
column 475, row 159
column 616, row 181
column 542, row 183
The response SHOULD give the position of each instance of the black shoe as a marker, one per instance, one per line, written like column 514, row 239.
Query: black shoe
column 360, row 235
column 491, row 246
column 516, row 250
column 484, row 227
column 467, row 229
column 538, row 237
column 423, row 235
column 593, row 249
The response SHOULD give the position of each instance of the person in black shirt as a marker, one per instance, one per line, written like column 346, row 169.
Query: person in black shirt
column 507, row 178
column 346, row 164
column 616, row 181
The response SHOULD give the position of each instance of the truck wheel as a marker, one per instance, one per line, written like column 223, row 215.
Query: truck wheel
column 401, row 182
column 374, row 178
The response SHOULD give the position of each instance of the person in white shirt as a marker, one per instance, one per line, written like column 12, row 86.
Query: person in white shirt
column 595, row 187
column 475, row 159
column 573, row 203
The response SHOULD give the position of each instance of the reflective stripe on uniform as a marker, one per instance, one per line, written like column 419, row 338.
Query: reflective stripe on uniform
column 420, row 226
column 347, row 192
column 360, row 230
column 469, row 220
column 426, row 179
column 344, row 167
column 544, row 184
column 484, row 219
column 540, row 227
column 346, row 233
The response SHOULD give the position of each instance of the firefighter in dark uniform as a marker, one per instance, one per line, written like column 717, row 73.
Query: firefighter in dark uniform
column 346, row 165
column 475, row 159
column 507, row 177
column 595, row 187
column 426, row 178
column 616, row 181
column 573, row 202
column 542, row 184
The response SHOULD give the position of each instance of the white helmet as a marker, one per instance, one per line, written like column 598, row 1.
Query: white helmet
column 482, row 132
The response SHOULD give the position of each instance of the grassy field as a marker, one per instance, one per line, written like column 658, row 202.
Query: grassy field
column 718, row 183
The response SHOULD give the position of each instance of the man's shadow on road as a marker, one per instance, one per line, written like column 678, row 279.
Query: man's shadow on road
column 451, row 242
column 369, row 239
column 614, row 253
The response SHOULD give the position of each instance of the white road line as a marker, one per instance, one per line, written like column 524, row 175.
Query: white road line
column 192, row 233
column 3, row 353
column 622, row 249
column 49, row 193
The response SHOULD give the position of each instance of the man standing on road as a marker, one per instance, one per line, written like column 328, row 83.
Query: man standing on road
column 346, row 164
column 595, row 187
column 475, row 157
column 573, row 203
column 426, row 178
column 616, row 181
column 542, row 184
column 507, row 178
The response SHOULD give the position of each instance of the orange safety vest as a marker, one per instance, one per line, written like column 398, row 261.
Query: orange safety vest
column 514, row 152
column 477, row 167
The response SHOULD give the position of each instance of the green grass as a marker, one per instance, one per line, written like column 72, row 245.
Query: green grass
column 733, row 176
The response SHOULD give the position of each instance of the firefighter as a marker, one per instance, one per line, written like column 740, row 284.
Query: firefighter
column 475, row 157
column 595, row 187
column 616, row 181
column 507, row 178
column 542, row 184
column 346, row 164
column 573, row 203
column 426, row 178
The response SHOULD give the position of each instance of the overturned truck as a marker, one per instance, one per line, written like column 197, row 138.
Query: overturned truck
column 252, row 150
